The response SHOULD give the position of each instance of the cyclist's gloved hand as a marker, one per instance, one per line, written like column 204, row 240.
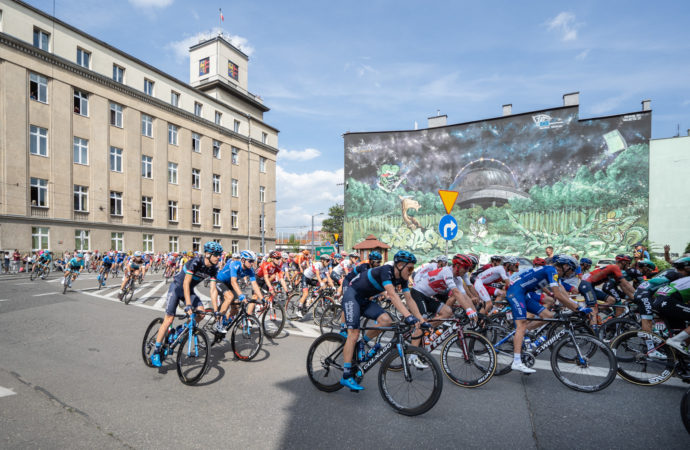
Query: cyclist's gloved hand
column 188, row 308
column 216, row 314
column 242, row 298
column 411, row 320
column 425, row 326
column 584, row 309
column 472, row 314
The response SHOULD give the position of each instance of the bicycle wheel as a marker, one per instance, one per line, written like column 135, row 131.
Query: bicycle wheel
column 471, row 363
column 419, row 393
column 273, row 319
column 45, row 273
column 148, row 345
column 637, row 364
column 504, row 350
column 685, row 410
column 292, row 306
column 382, row 338
column 65, row 284
column 192, row 357
column 586, row 373
column 129, row 292
column 325, row 362
column 614, row 327
column 34, row 274
column 330, row 320
column 246, row 338
column 318, row 311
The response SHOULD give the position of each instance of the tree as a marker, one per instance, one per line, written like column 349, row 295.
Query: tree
column 293, row 244
column 334, row 223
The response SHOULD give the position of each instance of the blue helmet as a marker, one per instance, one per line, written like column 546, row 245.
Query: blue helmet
column 80, row 255
column 405, row 256
column 375, row 256
column 585, row 261
column 248, row 255
column 213, row 247
column 565, row 259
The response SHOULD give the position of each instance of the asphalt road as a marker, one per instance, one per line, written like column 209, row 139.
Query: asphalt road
column 71, row 376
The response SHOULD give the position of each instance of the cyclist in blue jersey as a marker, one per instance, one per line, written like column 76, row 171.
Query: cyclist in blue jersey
column 74, row 267
column 106, row 264
column 228, row 287
column 544, row 278
column 375, row 260
column 357, row 301
column 182, row 291
column 45, row 258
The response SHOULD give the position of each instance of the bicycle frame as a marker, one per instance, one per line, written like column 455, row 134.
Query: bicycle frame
column 548, row 343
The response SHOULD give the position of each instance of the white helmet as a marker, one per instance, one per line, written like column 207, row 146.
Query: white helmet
column 137, row 254
column 510, row 260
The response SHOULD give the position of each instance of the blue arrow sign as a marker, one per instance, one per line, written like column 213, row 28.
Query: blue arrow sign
column 448, row 227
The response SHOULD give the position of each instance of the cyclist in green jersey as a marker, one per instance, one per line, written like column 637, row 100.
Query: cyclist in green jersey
column 673, row 303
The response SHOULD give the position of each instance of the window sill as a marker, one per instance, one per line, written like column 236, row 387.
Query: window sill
column 216, row 226
column 117, row 126
column 81, row 164
column 116, row 171
column 39, row 101
column 196, row 188
column 82, row 115
column 173, row 222
column 38, row 154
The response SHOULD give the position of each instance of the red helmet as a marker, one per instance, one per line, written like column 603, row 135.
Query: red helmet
column 538, row 261
column 462, row 261
column 623, row 258
column 275, row 254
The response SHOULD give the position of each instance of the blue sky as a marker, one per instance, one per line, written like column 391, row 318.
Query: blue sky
column 325, row 68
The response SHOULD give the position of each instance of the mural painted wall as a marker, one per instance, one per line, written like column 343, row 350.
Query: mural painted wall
column 524, row 181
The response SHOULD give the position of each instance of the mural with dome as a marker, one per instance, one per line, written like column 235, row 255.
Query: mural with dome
column 524, row 182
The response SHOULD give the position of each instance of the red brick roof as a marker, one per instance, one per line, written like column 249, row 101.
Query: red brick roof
column 370, row 243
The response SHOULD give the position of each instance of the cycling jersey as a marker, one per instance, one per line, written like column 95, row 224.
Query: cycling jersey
column 74, row 263
column 342, row 268
column 531, row 280
column 135, row 265
column 437, row 281
column 270, row 269
column 234, row 269
column 310, row 272
column 199, row 271
column 598, row 276
column 107, row 261
column 673, row 302
column 374, row 281
column 492, row 275
column 45, row 258
column 302, row 261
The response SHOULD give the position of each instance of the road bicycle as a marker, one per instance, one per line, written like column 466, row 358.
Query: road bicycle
column 128, row 293
column 407, row 389
column 246, row 336
column 42, row 271
column 272, row 315
column 580, row 361
column 317, row 300
column 169, row 273
column 192, row 354
column 101, row 277
column 69, row 279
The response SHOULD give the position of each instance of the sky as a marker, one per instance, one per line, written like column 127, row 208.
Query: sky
column 326, row 68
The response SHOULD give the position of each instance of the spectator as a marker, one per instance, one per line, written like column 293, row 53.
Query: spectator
column 640, row 252
column 549, row 251
column 16, row 257
column 6, row 262
column 667, row 253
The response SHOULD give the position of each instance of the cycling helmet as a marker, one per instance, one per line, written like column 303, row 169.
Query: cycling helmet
column 585, row 261
column 510, row 260
column 647, row 263
column 682, row 263
column 474, row 259
column 354, row 255
column 538, row 262
column 325, row 256
column 275, row 254
column 402, row 256
column 213, row 247
column 248, row 255
column 497, row 258
column 623, row 258
column 305, row 252
column 565, row 260
column 235, row 256
column 137, row 254
column 338, row 256
column 442, row 258
column 462, row 260
column 376, row 256
column 80, row 255
column 285, row 255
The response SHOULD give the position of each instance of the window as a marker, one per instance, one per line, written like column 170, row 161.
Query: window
column 146, row 208
column 38, row 142
column 216, row 149
column 81, row 151
column 38, row 88
column 39, row 238
column 197, row 109
column 118, row 73
column 196, row 244
column 172, row 173
column 172, row 134
column 81, row 198
column 41, row 39
column 81, row 103
column 83, row 58
column 173, row 243
column 196, row 179
column 146, row 166
column 262, row 194
column 148, row 242
column 148, row 86
column 264, row 137
column 115, row 203
column 261, row 222
column 116, row 115
column 234, row 220
column 236, row 126
column 146, row 125
column 218, row 118
column 172, row 211
column 204, row 66
column 117, row 241
column 82, row 240
column 233, row 70
column 262, row 164
column 216, row 217
column 195, row 215
column 235, row 155
column 174, row 98
column 39, row 192
column 235, row 246
column 235, row 188
column 115, row 159
column 216, row 183
column 196, row 142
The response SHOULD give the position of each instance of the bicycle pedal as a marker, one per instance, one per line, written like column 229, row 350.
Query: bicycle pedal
column 355, row 391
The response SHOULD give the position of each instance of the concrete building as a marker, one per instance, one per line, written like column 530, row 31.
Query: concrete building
column 100, row 150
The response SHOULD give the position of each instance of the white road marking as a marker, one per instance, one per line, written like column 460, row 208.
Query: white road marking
column 45, row 293
column 4, row 300
column 4, row 392
column 151, row 292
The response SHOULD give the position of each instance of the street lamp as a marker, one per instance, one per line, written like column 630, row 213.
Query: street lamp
column 312, row 231
column 263, row 228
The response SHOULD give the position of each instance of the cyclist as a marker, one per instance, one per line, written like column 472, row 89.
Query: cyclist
column 340, row 270
column 269, row 272
column 375, row 260
column 229, row 288
column 673, row 303
column 74, row 266
column 105, row 266
column 314, row 275
column 356, row 302
column 132, row 269
column 487, row 282
column 45, row 258
column 182, row 290
column 585, row 265
column 533, row 280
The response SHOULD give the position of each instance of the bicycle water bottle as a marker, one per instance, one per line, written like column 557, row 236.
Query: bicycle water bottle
column 528, row 343
column 171, row 334
column 361, row 351
column 540, row 340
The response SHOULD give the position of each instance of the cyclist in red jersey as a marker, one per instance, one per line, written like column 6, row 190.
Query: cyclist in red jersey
column 269, row 272
column 612, row 277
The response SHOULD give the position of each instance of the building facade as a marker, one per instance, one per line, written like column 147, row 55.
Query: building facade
column 100, row 150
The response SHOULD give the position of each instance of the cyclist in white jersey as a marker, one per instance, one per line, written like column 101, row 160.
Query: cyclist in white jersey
column 486, row 281
column 342, row 268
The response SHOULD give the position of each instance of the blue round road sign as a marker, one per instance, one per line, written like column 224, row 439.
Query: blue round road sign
column 448, row 227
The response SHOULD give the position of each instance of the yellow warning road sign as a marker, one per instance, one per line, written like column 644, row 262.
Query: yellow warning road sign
column 336, row 236
column 448, row 198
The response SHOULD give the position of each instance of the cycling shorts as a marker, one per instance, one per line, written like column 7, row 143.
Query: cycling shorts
column 611, row 288
column 307, row 282
column 354, row 306
column 73, row 268
column 643, row 300
column 175, row 297
column 428, row 306
column 590, row 294
column 673, row 310
column 522, row 303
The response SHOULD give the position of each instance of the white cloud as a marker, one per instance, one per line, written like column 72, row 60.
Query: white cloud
column 299, row 155
column 582, row 55
column 564, row 23
column 302, row 194
column 181, row 47
column 150, row 3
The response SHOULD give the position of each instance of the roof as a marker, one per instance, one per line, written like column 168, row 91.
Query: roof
column 371, row 243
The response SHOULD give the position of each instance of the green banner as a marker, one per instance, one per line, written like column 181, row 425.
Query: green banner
column 321, row 250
